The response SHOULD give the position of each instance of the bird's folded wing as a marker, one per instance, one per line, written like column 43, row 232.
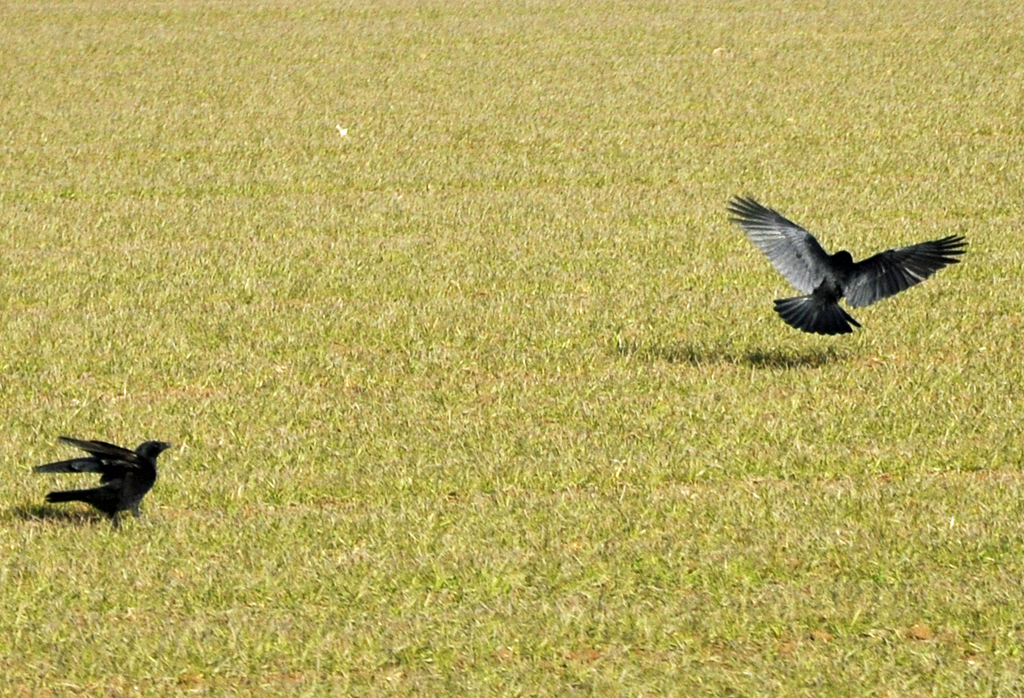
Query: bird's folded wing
column 791, row 249
column 887, row 273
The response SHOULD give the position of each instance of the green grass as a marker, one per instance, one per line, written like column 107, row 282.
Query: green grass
column 487, row 397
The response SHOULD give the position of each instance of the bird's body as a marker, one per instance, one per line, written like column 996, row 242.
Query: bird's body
column 125, row 476
column 826, row 278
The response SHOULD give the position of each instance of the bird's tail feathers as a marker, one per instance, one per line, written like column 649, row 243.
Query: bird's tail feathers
column 812, row 314
column 72, row 496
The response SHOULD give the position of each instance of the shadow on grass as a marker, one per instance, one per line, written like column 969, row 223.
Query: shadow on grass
column 699, row 355
column 43, row 513
column 787, row 359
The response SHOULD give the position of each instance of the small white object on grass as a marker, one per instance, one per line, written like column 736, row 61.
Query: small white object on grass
column 341, row 131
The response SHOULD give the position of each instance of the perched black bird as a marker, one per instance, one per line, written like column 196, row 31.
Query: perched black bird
column 827, row 278
column 125, row 476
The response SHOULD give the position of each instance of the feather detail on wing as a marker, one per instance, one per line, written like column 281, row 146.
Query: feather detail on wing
column 74, row 465
column 887, row 273
column 791, row 249
column 102, row 449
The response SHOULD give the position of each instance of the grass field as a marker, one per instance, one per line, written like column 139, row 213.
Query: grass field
column 485, row 396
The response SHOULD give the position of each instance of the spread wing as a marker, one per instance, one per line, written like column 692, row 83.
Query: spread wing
column 105, row 451
column 794, row 251
column 74, row 465
column 887, row 273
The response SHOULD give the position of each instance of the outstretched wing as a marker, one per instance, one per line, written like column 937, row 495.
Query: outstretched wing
column 74, row 465
column 887, row 273
column 794, row 251
column 105, row 451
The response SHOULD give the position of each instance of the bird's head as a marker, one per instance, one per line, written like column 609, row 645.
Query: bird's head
column 152, row 449
column 842, row 259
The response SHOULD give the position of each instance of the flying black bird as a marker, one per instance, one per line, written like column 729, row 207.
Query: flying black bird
column 125, row 476
column 826, row 278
